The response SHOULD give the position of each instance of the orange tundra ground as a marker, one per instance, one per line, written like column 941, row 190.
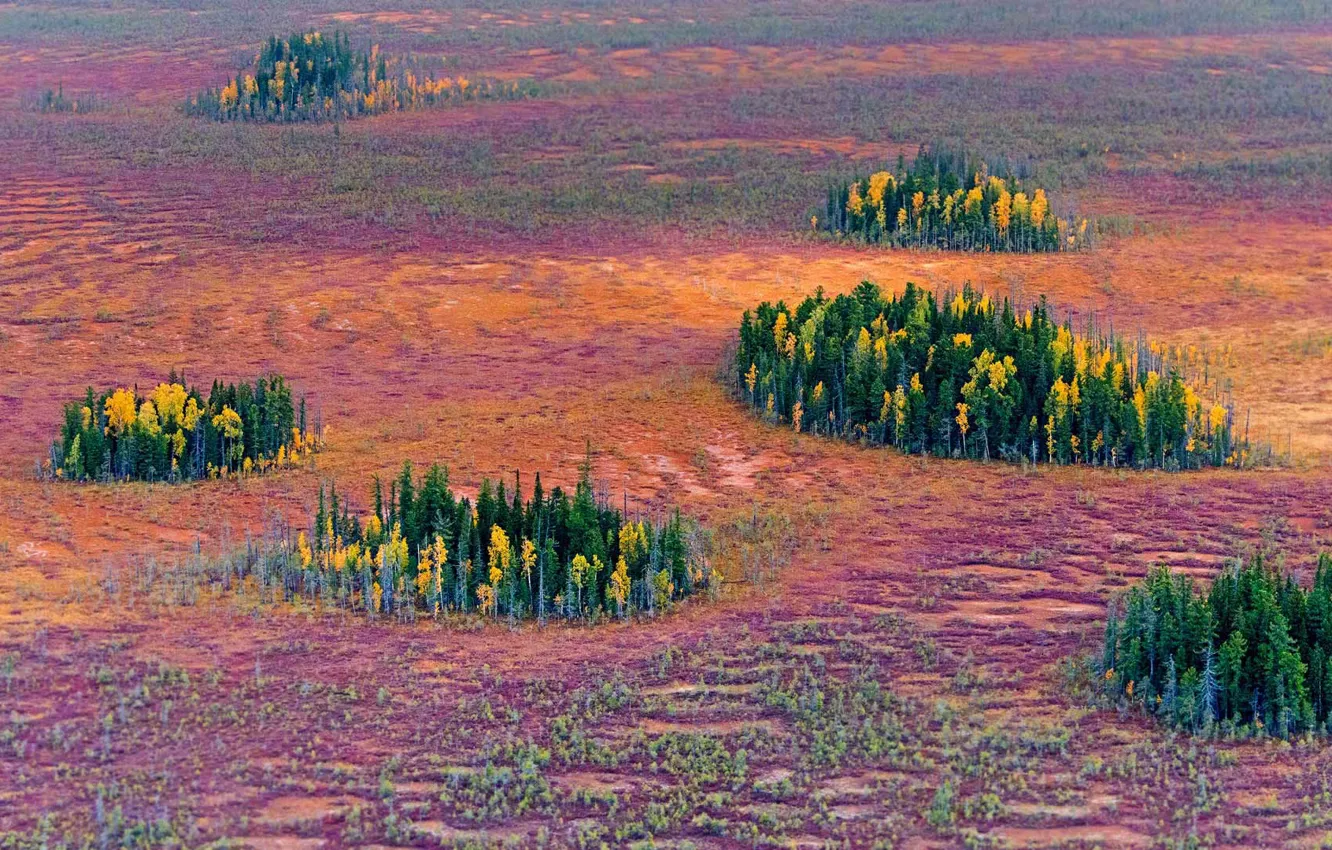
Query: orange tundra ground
column 958, row 588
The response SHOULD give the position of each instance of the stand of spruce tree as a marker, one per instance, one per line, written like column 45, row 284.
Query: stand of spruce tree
column 962, row 376
column 175, row 433
column 422, row 549
column 949, row 201
column 1251, row 654
column 313, row 77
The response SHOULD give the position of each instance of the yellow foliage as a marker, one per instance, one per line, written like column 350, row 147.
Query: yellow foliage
column 228, row 96
column 973, row 201
column 779, row 331
column 169, row 399
column 579, row 569
column 121, row 411
column 854, row 203
column 1039, row 208
column 879, row 183
column 191, row 415
column 864, row 345
column 303, row 549
column 619, row 584
column 229, row 423
column 1003, row 212
column 528, row 557
column 485, row 598
column 148, row 419
column 958, row 305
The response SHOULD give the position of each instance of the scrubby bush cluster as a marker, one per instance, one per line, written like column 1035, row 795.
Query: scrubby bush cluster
column 56, row 100
column 948, row 201
column 961, row 376
column 172, row 433
column 1252, row 653
column 308, row 77
column 423, row 549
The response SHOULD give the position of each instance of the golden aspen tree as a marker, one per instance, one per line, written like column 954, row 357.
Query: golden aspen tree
column 485, row 599
column 278, row 86
column 962, row 423
column 578, row 573
column 619, row 586
column 958, row 305
column 229, row 426
column 528, row 558
column 663, row 587
column 169, row 399
column 881, row 353
column 121, row 411
column 1003, row 212
column 971, row 206
column 303, row 551
column 879, row 183
column 901, row 410
column 864, row 346
column 855, row 204
column 797, row 412
column 499, row 556
column 424, row 568
column 148, row 422
column 779, row 332
column 191, row 415
column 439, row 554
column 1039, row 208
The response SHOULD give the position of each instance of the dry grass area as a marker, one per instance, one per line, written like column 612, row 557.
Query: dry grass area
column 900, row 684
